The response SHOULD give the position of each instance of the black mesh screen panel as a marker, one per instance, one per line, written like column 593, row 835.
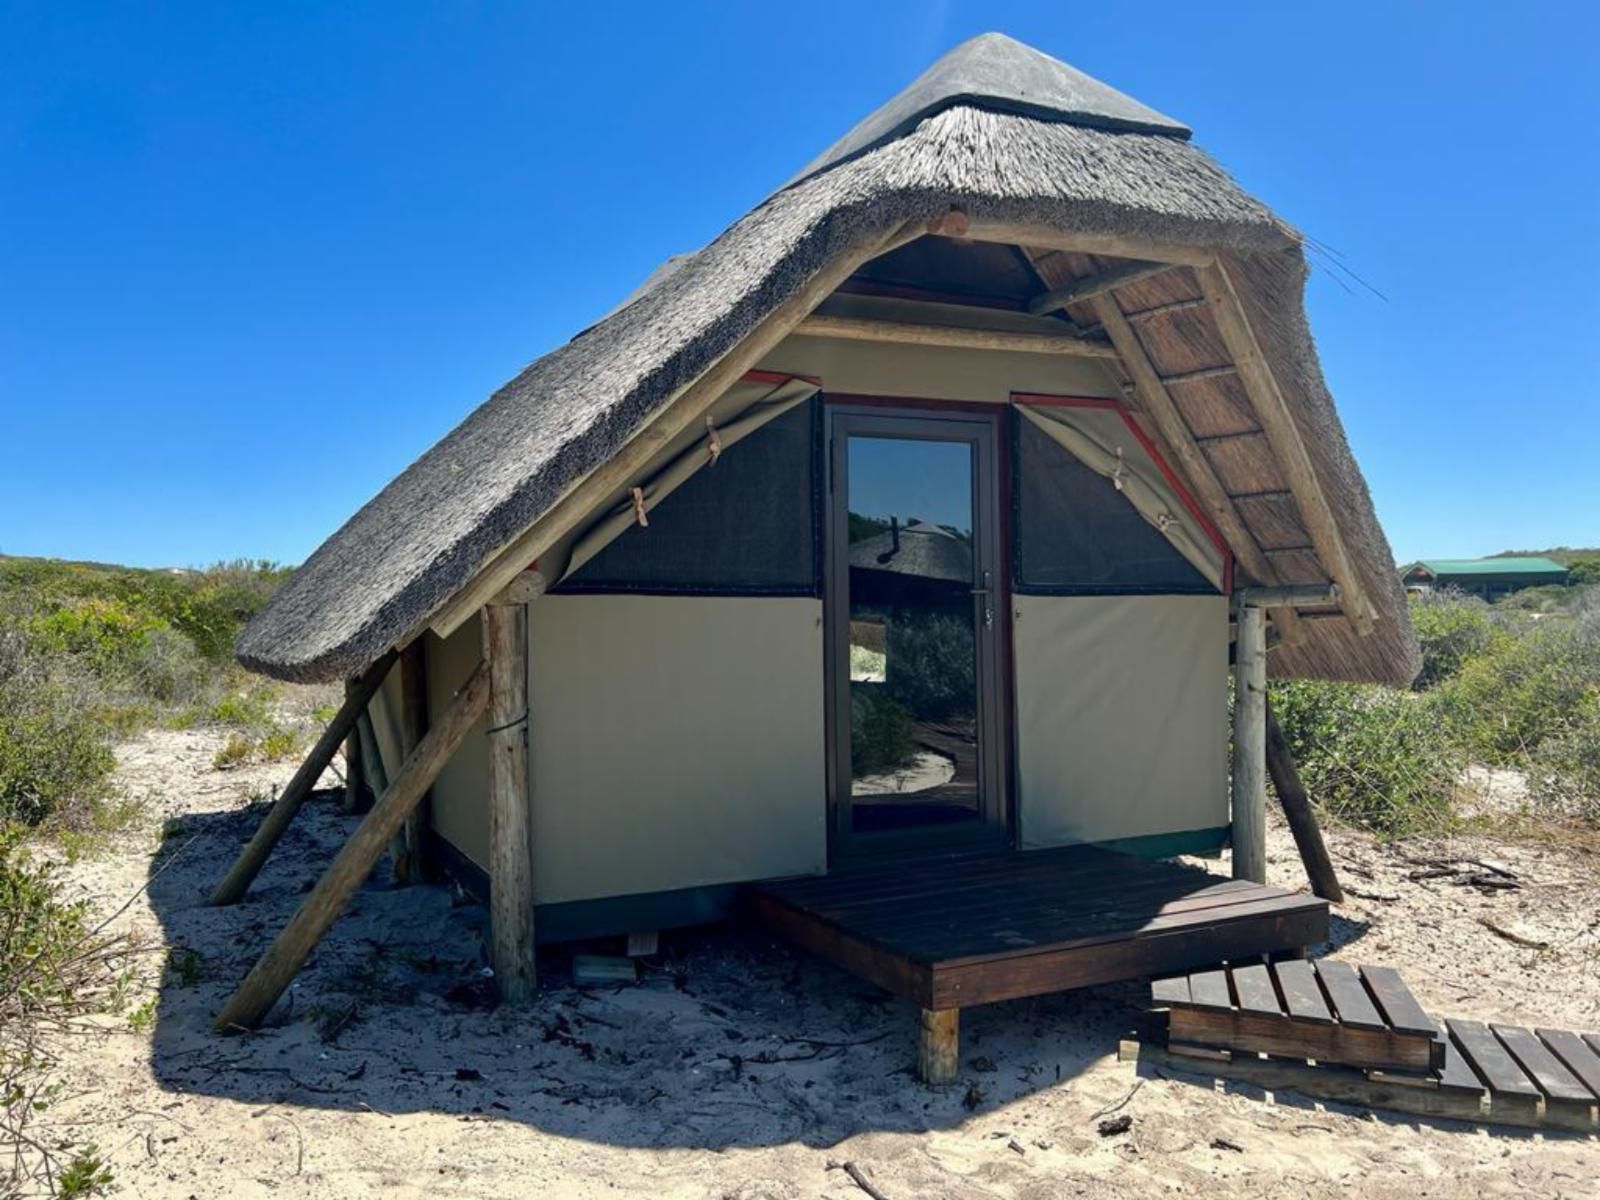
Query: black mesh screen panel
column 746, row 525
column 1076, row 534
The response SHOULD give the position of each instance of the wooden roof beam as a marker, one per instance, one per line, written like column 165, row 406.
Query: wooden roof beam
column 1208, row 489
column 1107, row 245
column 1095, row 285
column 964, row 337
column 1277, row 422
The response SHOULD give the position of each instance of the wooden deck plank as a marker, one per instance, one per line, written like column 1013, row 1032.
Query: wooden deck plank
column 1154, row 953
column 962, row 937
column 936, row 874
column 1456, row 1073
column 1256, row 993
column 1579, row 1057
column 1399, row 1006
column 1022, row 907
column 972, row 897
column 1209, row 989
column 1490, row 1060
column 1351, row 1004
column 1544, row 1068
column 1301, row 995
column 1196, row 924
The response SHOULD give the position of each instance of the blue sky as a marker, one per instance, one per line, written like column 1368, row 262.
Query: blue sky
column 254, row 259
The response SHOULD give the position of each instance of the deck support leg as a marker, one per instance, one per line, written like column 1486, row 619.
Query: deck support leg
column 939, row 1047
column 1250, row 745
column 505, row 649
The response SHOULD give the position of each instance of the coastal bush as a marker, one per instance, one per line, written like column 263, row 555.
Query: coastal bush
column 1373, row 756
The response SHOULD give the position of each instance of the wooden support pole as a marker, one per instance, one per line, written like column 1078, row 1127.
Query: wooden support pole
column 939, row 1046
column 505, row 650
column 1202, row 477
column 1297, row 808
column 254, row 855
column 355, row 776
column 965, row 337
column 1288, row 446
column 273, row 970
column 411, row 858
column 1249, row 745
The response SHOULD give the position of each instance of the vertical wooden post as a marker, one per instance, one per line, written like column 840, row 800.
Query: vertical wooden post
column 505, row 649
column 939, row 1047
column 355, row 777
column 1250, row 744
column 410, row 859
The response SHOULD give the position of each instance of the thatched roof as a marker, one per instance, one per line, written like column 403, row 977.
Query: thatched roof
column 1037, row 145
column 919, row 549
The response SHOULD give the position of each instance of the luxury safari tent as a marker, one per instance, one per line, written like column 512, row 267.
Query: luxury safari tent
column 877, row 569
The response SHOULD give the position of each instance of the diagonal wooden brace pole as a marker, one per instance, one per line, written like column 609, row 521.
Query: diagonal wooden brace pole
column 254, row 855
column 273, row 971
column 1297, row 808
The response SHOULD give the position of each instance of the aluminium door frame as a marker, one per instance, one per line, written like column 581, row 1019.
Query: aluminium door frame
column 983, row 427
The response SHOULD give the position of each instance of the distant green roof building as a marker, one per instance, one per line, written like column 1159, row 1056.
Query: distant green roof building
column 1486, row 577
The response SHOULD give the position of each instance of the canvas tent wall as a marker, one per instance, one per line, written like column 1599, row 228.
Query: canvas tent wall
column 680, row 743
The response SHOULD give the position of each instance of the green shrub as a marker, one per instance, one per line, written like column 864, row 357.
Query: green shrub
column 55, row 972
column 1505, row 702
column 932, row 666
column 246, row 708
column 1564, row 774
column 1373, row 756
column 279, row 744
column 52, row 739
column 234, row 752
column 882, row 736
column 1451, row 627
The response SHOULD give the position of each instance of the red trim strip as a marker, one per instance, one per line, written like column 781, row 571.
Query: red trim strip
column 1121, row 409
column 856, row 400
column 776, row 377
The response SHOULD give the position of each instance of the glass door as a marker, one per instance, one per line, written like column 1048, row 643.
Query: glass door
column 912, row 629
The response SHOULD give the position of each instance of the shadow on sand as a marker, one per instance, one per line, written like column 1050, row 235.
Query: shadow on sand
column 729, row 1039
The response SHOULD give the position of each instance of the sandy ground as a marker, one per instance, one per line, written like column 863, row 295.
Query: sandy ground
column 738, row 1068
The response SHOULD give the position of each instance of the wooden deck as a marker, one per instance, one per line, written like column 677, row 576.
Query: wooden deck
column 956, row 930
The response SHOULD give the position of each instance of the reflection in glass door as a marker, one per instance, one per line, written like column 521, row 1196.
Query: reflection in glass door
column 912, row 605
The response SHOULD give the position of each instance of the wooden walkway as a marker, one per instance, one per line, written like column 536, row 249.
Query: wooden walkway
column 1356, row 1034
column 951, row 931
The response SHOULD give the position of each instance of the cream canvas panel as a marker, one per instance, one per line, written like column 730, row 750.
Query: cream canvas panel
column 385, row 713
column 676, row 741
column 1122, row 716
column 461, row 793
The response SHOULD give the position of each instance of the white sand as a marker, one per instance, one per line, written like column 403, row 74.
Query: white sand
column 739, row 1068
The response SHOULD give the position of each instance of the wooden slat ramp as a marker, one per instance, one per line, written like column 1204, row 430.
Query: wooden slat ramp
column 1335, row 1031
